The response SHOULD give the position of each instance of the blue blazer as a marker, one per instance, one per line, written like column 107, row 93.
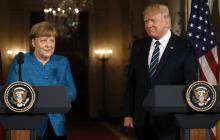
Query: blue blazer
column 56, row 72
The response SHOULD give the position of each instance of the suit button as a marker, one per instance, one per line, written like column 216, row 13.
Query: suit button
column 46, row 77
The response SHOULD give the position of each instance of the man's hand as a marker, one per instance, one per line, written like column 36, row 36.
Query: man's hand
column 128, row 122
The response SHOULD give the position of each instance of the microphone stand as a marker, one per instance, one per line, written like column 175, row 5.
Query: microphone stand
column 19, row 72
column 20, row 61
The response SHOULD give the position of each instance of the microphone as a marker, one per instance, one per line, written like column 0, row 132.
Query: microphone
column 20, row 61
column 20, row 58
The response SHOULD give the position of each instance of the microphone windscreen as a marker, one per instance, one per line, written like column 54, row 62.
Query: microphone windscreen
column 20, row 58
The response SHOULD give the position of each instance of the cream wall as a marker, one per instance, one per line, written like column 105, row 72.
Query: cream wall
column 15, row 17
column 109, row 28
column 4, row 32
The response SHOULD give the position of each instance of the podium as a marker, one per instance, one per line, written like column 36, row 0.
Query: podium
column 49, row 100
column 170, row 99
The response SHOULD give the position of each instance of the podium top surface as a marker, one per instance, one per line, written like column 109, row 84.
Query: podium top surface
column 51, row 99
column 170, row 98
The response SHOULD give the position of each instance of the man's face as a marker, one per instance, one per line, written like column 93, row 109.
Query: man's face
column 156, row 25
column 43, row 46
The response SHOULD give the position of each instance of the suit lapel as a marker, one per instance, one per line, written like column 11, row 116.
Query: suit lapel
column 144, row 55
column 165, row 57
column 145, row 52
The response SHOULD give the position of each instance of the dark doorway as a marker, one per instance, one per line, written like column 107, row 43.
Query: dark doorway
column 75, row 48
column 36, row 17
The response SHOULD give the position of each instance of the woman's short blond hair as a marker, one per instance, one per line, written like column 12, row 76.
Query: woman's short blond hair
column 43, row 29
column 158, row 8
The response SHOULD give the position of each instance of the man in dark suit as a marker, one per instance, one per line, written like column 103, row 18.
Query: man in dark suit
column 160, row 59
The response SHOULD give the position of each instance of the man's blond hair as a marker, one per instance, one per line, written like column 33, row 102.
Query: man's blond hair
column 159, row 8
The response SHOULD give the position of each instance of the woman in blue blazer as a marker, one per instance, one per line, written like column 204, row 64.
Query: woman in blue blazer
column 43, row 68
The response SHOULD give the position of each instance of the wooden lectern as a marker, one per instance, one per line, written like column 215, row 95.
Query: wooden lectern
column 23, row 125
column 170, row 99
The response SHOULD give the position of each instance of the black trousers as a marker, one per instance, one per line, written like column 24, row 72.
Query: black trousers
column 144, row 133
column 51, row 135
column 157, row 129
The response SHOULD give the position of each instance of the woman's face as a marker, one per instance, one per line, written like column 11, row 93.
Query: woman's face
column 43, row 47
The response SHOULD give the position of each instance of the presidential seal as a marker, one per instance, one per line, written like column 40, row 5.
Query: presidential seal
column 201, row 96
column 19, row 97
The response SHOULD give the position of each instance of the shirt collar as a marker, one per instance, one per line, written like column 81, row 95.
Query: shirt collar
column 164, row 40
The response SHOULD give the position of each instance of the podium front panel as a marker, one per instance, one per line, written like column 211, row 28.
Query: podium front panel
column 49, row 100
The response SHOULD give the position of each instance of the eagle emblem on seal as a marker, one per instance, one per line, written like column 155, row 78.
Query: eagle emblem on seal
column 20, row 97
column 201, row 96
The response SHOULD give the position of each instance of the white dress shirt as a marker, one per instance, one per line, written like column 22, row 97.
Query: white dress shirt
column 163, row 43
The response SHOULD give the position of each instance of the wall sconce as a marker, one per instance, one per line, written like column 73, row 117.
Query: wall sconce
column 103, row 54
column 11, row 53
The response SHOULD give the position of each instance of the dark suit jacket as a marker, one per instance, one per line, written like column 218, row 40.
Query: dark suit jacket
column 177, row 66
